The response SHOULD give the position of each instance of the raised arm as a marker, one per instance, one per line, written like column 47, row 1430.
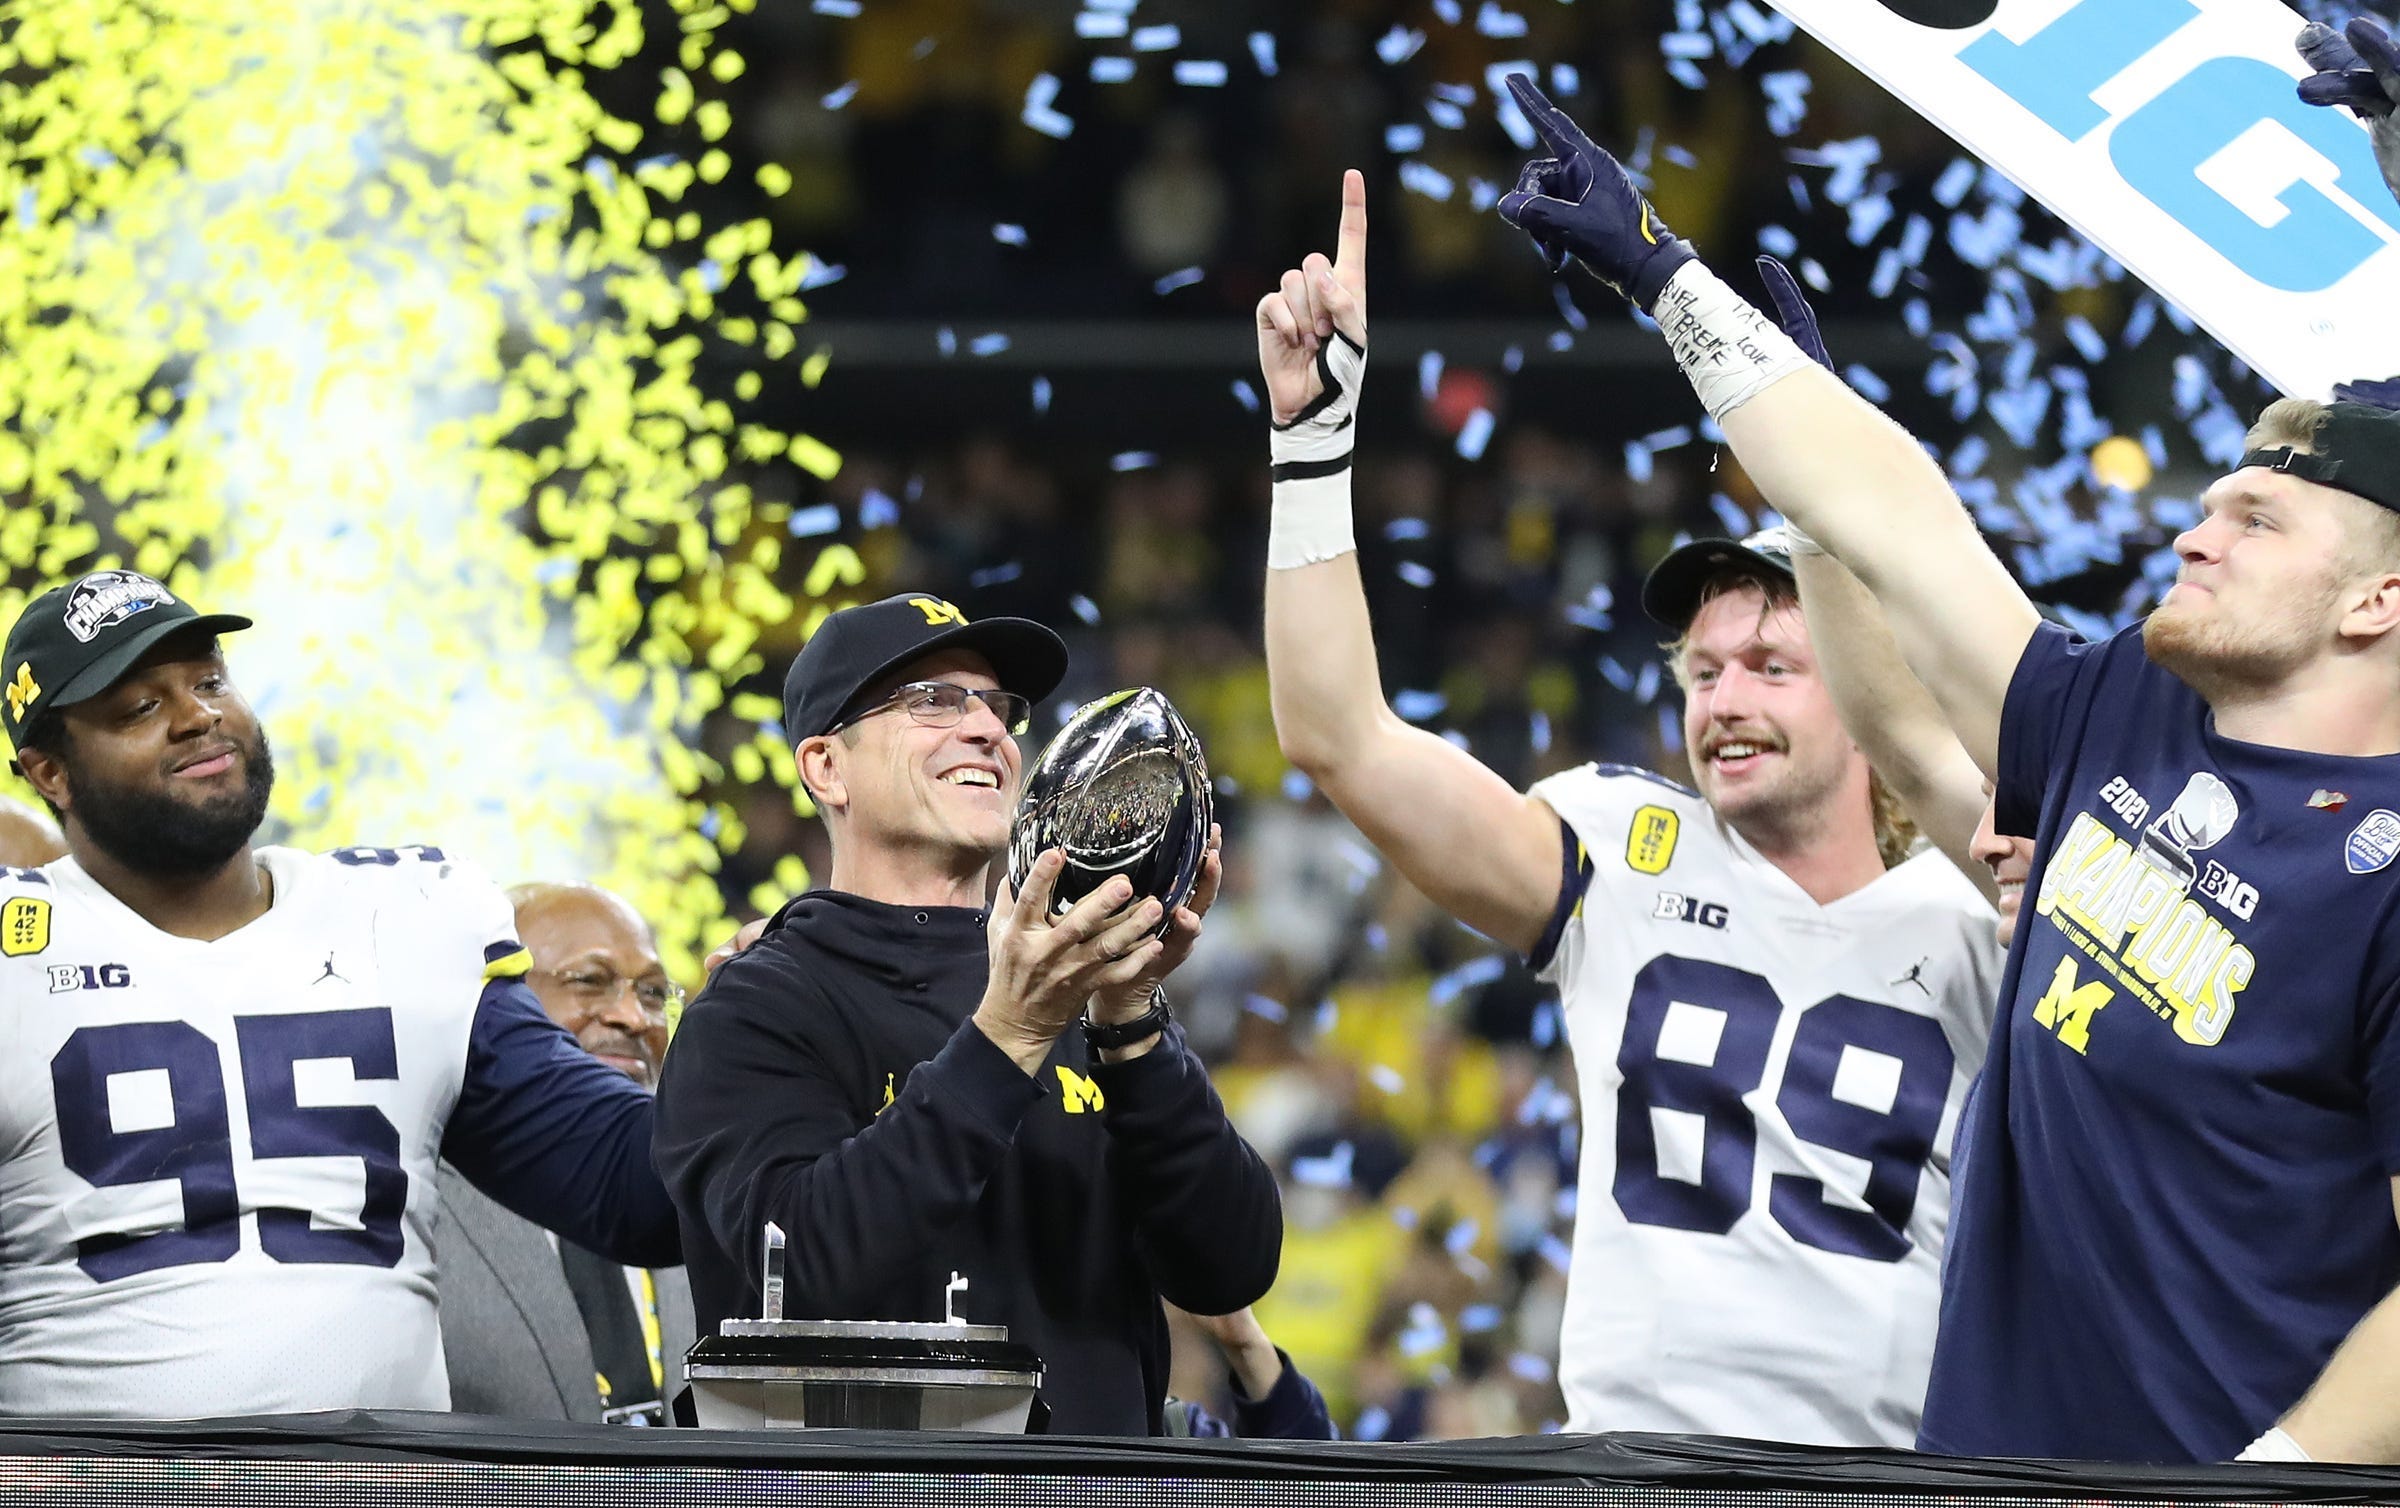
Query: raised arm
column 1890, row 713
column 1484, row 852
column 1823, row 456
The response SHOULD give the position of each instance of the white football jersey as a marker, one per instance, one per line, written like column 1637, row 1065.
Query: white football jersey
column 217, row 1159
column 1769, row 1091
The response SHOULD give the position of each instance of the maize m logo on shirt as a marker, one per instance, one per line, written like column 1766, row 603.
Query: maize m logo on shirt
column 2168, row 132
column 2141, row 912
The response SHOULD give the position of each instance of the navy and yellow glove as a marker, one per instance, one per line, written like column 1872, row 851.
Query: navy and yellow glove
column 1580, row 204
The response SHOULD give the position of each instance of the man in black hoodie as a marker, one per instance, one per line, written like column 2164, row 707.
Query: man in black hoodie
column 900, row 1082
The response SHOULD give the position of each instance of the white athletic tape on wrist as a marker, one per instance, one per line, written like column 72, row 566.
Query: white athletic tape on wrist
column 1310, row 521
column 2274, row 1445
column 1729, row 350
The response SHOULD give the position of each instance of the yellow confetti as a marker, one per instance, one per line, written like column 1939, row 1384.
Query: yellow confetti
column 245, row 235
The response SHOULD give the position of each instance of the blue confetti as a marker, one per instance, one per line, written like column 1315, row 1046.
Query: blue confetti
column 834, row 7
column 1398, row 45
column 1424, row 178
column 1037, row 112
column 1492, row 21
column 1403, row 138
column 1950, row 190
column 1158, row 38
column 1417, row 706
column 1475, row 434
column 1512, row 360
column 1639, row 466
column 1537, row 732
column 1245, row 395
column 1429, row 375
column 1567, row 308
column 945, row 340
column 1182, row 277
column 1112, row 70
column 1296, row 786
column 1730, row 514
column 1262, row 52
column 1331, row 1171
column 1504, row 104
column 1445, row 114
column 1132, row 460
column 1777, row 241
column 1094, row 25
column 1009, row 235
column 807, row 523
column 1085, row 608
column 876, row 510
column 820, row 274
column 1447, row 10
column 1402, row 530
column 1473, row 974
column 1201, row 73
column 995, row 575
column 991, row 343
column 1415, row 574
column 835, row 99
column 1041, row 395
column 1564, row 80
column 1869, row 386
column 1544, row 1028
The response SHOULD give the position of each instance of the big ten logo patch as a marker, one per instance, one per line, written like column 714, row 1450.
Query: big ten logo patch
column 84, row 976
column 1650, row 846
column 1079, row 1093
column 24, row 926
column 1689, row 908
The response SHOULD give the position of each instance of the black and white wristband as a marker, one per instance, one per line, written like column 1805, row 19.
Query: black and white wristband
column 1311, row 455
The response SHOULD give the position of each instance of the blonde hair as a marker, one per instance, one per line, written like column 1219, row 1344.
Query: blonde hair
column 1895, row 830
column 2295, row 423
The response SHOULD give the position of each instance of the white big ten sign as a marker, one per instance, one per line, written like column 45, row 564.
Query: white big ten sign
column 2167, row 131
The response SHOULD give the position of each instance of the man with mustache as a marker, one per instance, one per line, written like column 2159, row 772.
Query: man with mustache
column 1774, row 1010
column 950, row 1109
column 2177, row 1237
column 536, row 1327
column 234, row 1068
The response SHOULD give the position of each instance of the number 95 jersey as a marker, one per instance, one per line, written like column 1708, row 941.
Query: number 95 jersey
column 1769, row 1091
column 217, row 1158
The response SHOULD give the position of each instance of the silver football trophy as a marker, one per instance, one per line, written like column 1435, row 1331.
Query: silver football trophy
column 1122, row 789
column 777, row 1373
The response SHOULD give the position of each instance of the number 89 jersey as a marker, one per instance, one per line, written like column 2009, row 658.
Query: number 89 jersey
column 1769, row 1091
column 217, row 1158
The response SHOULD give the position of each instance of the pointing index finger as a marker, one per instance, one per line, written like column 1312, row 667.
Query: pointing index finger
column 1563, row 135
column 1350, row 245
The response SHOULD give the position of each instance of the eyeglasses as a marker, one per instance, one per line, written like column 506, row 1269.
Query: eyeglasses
column 595, row 990
column 939, row 704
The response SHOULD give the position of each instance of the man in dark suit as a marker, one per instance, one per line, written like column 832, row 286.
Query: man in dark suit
column 535, row 1327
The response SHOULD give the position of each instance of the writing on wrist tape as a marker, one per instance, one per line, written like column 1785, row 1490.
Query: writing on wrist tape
column 1730, row 352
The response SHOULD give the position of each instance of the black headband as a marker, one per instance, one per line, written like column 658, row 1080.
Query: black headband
column 2357, row 451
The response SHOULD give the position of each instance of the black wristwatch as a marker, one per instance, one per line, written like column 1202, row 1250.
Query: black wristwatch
column 1125, row 1033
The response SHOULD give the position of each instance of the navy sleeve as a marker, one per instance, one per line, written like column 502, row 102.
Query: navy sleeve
column 754, row 1126
column 558, row 1136
column 1292, row 1410
column 2048, row 701
column 1575, row 877
column 1206, row 1214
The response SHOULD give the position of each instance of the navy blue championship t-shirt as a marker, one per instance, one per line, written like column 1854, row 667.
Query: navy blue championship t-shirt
column 2175, row 1195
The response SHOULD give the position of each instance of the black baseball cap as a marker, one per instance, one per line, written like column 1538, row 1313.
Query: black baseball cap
column 1678, row 583
column 858, row 646
column 75, row 641
column 2356, row 449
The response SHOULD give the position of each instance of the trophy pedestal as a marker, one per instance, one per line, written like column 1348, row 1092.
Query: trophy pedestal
column 862, row 1374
